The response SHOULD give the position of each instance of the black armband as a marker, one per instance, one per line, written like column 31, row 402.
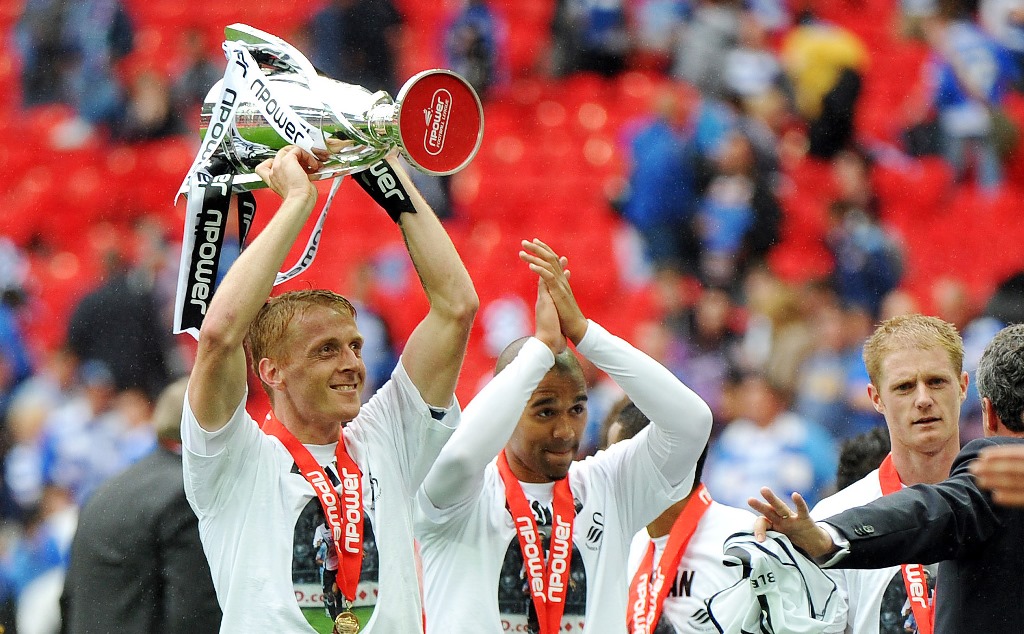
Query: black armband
column 383, row 185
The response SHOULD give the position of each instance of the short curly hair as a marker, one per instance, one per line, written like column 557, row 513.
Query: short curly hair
column 861, row 454
column 1000, row 376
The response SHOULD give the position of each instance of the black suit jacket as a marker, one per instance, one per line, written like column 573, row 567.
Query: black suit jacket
column 980, row 544
column 137, row 565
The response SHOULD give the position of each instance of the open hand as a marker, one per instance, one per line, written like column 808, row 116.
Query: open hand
column 796, row 524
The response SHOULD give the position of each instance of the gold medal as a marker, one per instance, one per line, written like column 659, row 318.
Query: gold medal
column 346, row 623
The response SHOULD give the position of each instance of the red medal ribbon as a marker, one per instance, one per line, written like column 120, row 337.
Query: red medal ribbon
column 548, row 584
column 344, row 516
column 914, row 578
column 648, row 590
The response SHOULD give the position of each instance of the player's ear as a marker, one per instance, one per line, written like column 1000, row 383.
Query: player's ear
column 269, row 372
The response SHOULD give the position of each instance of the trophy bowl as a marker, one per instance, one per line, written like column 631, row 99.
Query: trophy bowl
column 436, row 121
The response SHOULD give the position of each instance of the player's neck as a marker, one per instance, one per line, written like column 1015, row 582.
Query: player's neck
column 308, row 432
column 662, row 525
column 915, row 467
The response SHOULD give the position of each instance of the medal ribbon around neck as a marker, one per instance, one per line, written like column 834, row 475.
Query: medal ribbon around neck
column 914, row 579
column 549, row 584
column 345, row 515
column 648, row 590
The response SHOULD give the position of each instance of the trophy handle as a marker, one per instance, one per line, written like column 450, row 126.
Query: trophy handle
column 440, row 121
column 272, row 51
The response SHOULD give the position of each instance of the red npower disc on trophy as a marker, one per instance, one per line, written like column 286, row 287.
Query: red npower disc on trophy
column 440, row 121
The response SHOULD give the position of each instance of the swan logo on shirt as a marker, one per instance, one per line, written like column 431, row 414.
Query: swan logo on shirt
column 596, row 531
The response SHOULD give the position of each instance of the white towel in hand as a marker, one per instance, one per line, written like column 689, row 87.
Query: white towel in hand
column 782, row 591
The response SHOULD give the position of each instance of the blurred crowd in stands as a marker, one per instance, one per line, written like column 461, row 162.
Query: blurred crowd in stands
column 751, row 145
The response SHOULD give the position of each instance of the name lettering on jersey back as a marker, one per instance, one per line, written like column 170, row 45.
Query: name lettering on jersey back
column 682, row 584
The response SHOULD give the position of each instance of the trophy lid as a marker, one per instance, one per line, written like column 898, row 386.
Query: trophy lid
column 440, row 121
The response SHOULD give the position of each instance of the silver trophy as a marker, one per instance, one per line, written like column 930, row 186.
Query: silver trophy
column 272, row 96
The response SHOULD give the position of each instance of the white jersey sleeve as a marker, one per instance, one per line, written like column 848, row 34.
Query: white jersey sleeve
column 399, row 422
column 680, row 420
column 218, row 459
column 490, row 419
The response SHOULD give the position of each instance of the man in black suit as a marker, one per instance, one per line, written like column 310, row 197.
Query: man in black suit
column 137, row 565
column 980, row 543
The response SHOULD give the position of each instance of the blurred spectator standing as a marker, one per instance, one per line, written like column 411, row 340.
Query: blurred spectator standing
column 738, row 219
column 825, row 64
column 1004, row 21
column 655, row 27
column 708, row 349
column 851, row 173
column 868, row 259
column 195, row 78
column 91, row 438
column 50, row 389
column 43, row 52
column 590, row 35
column 769, row 445
column 150, row 113
column 952, row 302
column 33, row 562
column 858, row 326
column 69, row 50
column 356, row 41
column 118, row 323
column 701, row 50
column 821, row 389
column 659, row 201
column 777, row 337
column 155, row 261
column 472, row 44
column 15, row 360
column 970, row 73
column 751, row 68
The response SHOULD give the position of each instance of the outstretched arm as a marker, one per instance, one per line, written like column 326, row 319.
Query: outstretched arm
column 924, row 523
column 434, row 352
column 491, row 417
column 218, row 377
column 681, row 419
